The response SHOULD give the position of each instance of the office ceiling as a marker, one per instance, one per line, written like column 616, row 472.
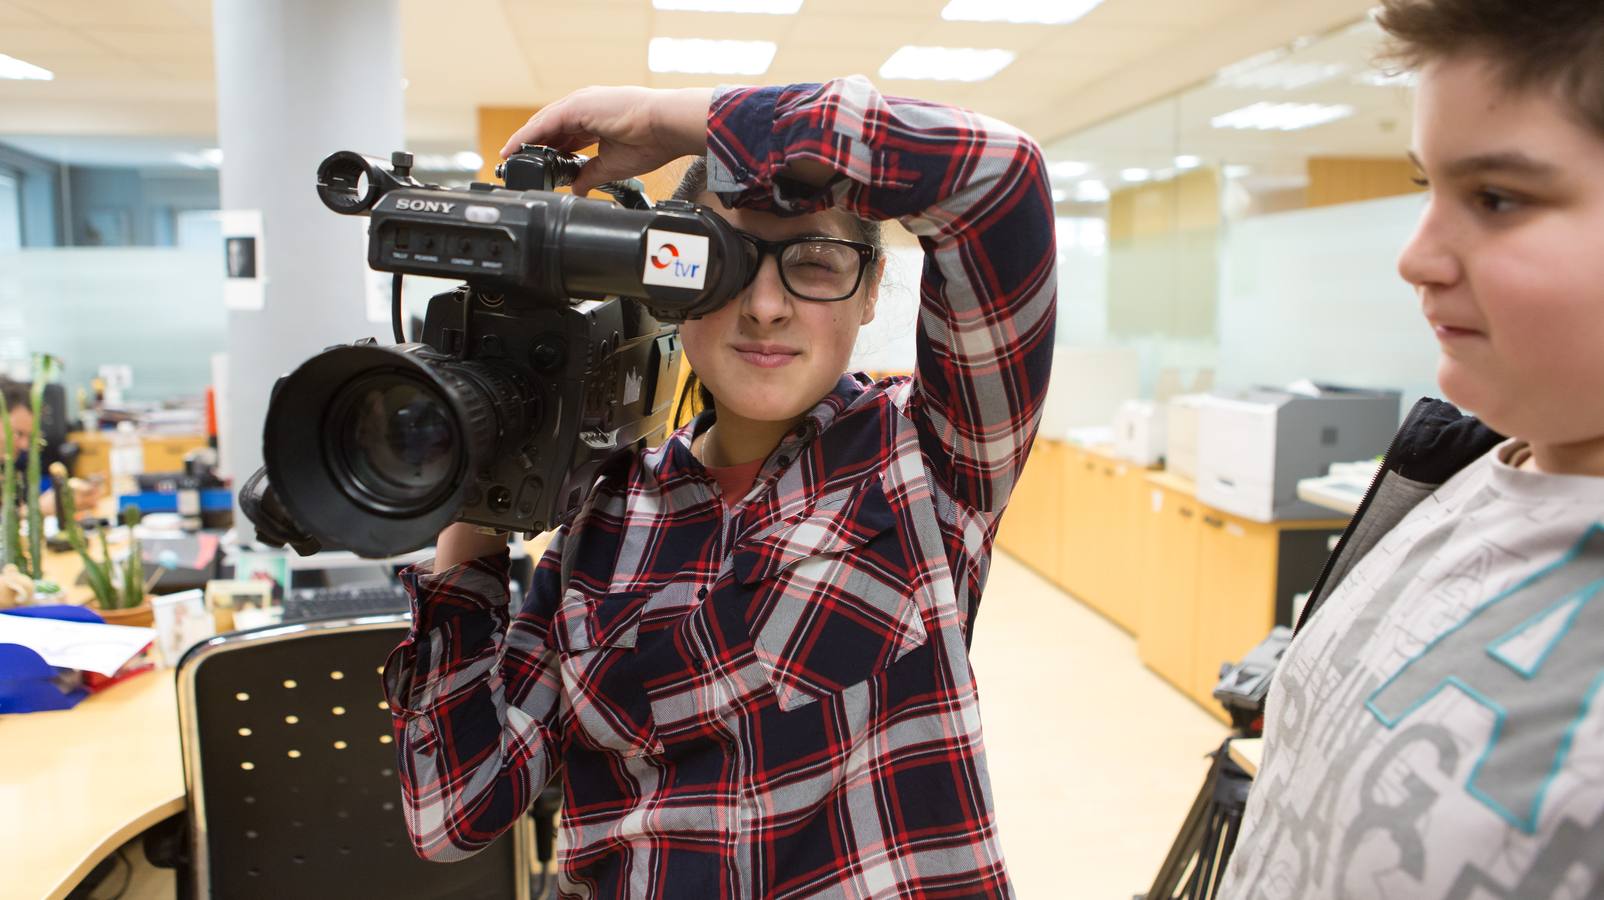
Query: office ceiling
column 1342, row 68
column 144, row 67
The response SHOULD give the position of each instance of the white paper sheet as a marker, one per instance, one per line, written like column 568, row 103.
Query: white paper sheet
column 89, row 646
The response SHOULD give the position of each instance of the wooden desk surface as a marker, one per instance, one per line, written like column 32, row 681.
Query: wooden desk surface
column 78, row 783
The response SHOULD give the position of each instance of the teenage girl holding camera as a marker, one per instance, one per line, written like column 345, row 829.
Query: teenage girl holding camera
column 748, row 652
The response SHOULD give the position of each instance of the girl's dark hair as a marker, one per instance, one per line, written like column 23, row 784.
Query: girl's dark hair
column 1532, row 43
column 694, row 396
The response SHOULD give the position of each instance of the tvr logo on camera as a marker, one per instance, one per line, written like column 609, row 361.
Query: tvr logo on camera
column 675, row 259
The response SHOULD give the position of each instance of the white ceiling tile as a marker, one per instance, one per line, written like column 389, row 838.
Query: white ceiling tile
column 111, row 14
column 154, row 44
column 23, row 42
column 12, row 14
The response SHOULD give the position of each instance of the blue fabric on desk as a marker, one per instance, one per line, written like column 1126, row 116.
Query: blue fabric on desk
column 27, row 682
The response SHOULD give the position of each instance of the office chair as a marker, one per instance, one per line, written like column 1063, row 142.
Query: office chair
column 289, row 768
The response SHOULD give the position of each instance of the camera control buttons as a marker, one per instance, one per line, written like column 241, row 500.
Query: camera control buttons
column 483, row 215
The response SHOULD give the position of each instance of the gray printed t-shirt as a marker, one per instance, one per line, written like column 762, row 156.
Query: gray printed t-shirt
column 1437, row 729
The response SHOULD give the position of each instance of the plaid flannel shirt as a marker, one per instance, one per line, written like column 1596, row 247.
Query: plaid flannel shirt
column 775, row 699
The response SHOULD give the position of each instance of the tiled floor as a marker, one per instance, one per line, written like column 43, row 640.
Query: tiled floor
column 1094, row 760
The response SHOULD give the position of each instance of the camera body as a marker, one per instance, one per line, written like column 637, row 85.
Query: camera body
column 559, row 350
column 598, row 375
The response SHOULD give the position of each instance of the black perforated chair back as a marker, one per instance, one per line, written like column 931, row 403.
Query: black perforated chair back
column 290, row 764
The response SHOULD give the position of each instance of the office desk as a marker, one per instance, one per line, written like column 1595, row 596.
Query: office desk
column 78, row 783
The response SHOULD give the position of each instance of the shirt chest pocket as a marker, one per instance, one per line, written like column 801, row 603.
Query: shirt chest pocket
column 594, row 634
column 835, row 596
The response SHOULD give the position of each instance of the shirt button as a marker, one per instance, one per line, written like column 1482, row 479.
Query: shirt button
column 701, row 594
column 784, row 460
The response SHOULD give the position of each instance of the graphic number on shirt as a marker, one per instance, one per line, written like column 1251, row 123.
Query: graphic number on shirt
column 1533, row 656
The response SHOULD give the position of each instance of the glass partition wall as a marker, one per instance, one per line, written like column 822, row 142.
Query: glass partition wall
column 1248, row 228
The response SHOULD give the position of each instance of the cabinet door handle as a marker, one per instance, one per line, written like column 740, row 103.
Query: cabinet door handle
column 1212, row 522
column 1185, row 513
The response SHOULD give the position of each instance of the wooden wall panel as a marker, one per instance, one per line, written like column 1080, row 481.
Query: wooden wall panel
column 1349, row 179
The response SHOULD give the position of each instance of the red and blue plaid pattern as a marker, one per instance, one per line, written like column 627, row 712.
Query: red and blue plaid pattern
column 771, row 698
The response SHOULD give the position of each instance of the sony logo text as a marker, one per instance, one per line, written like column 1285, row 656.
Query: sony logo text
column 433, row 206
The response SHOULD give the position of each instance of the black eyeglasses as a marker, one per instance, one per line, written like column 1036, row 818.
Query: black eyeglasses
column 822, row 269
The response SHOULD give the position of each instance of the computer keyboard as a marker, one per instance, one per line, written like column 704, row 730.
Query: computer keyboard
column 345, row 601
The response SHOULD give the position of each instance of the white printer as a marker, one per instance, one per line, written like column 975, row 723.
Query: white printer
column 1180, row 454
column 1253, row 448
column 1139, row 429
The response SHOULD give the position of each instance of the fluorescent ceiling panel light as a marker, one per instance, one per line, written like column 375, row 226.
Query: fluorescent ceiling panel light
column 1380, row 78
column 1281, row 116
column 946, row 63
column 1187, row 161
column 210, row 158
column 1035, row 12
column 1060, row 195
column 1065, row 169
column 1284, row 76
column 11, row 67
column 701, row 56
column 1091, row 191
column 771, row 7
column 1134, row 175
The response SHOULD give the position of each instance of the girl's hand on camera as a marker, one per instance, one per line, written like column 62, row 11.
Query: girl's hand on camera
column 461, row 543
column 637, row 129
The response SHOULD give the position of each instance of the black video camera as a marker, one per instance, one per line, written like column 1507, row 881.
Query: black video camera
column 559, row 350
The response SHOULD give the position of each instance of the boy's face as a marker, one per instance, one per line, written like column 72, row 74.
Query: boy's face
column 1508, row 258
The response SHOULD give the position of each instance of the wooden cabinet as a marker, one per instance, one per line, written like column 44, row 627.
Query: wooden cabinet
column 1029, row 530
column 1197, row 586
column 165, row 453
column 1235, row 595
column 1102, row 536
column 162, row 453
column 1167, row 628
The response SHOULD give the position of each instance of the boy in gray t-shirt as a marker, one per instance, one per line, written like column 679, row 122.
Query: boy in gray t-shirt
column 1436, row 729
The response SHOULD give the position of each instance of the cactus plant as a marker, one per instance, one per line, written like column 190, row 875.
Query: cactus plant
column 112, row 590
column 10, row 533
column 44, row 369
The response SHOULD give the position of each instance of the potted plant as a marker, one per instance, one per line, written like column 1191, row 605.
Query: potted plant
column 120, row 592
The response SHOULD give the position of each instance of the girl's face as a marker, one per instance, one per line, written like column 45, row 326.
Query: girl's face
column 768, row 356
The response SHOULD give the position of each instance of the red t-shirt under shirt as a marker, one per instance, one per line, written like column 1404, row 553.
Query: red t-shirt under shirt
column 735, row 481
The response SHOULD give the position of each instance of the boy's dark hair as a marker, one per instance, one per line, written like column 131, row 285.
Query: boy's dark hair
column 1532, row 43
column 695, row 396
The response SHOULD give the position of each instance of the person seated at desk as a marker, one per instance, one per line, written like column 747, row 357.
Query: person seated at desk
column 20, row 411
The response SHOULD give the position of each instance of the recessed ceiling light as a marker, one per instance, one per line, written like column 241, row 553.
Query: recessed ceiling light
column 1135, row 175
column 1066, row 169
column 710, row 57
column 772, row 7
column 11, row 67
column 946, row 63
column 1281, row 116
column 1091, row 191
column 1060, row 195
column 1038, row 12
column 1187, row 161
column 1278, row 75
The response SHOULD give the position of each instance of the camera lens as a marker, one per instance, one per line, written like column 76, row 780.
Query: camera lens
column 374, row 448
column 396, row 443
